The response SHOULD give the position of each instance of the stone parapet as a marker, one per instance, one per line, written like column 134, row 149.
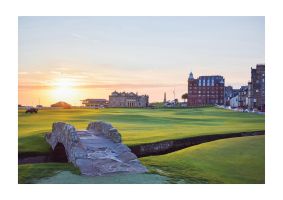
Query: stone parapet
column 105, row 129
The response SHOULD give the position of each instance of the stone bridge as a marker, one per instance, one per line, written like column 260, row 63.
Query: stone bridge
column 95, row 151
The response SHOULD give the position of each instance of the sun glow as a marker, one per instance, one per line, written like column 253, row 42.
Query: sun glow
column 64, row 83
column 64, row 90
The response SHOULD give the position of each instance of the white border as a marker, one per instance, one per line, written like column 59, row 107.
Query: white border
column 10, row 10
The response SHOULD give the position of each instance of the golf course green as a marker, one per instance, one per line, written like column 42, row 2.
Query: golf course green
column 235, row 160
column 137, row 126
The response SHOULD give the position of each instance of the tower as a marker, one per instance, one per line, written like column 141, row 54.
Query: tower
column 191, row 76
column 190, row 84
column 164, row 100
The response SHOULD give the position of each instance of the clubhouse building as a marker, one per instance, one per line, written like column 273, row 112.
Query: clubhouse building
column 95, row 102
column 125, row 99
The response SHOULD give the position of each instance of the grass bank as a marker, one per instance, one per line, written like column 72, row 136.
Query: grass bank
column 235, row 160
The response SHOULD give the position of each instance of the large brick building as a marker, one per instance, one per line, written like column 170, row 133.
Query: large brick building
column 205, row 90
column 256, row 88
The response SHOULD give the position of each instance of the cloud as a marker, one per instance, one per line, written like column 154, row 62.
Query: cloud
column 34, row 87
column 77, row 36
column 106, row 86
column 95, row 41
column 55, row 72
column 81, row 37
column 63, row 69
column 23, row 73
column 129, row 85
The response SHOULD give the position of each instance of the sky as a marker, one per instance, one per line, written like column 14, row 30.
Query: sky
column 74, row 58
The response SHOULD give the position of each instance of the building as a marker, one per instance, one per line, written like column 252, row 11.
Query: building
column 234, row 102
column 95, row 102
column 236, row 97
column 243, row 95
column 205, row 90
column 39, row 106
column 228, row 94
column 256, row 88
column 239, row 98
column 125, row 99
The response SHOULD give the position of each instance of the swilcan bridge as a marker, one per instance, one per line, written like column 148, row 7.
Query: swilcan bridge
column 95, row 151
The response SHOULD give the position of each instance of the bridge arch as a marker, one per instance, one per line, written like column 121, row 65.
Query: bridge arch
column 59, row 153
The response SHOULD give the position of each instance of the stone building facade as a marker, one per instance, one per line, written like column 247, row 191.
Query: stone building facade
column 125, row 99
column 239, row 99
column 256, row 88
column 243, row 95
column 205, row 90
column 228, row 94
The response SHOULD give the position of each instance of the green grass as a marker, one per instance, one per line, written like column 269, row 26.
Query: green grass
column 235, row 160
column 28, row 173
column 66, row 177
column 137, row 125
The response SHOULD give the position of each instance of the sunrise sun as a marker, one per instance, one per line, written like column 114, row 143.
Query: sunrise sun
column 64, row 90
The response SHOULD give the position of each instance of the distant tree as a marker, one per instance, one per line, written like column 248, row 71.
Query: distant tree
column 185, row 96
column 61, row 104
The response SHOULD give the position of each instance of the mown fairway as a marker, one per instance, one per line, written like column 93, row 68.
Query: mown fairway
column 137, row 125
column 235, row 160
